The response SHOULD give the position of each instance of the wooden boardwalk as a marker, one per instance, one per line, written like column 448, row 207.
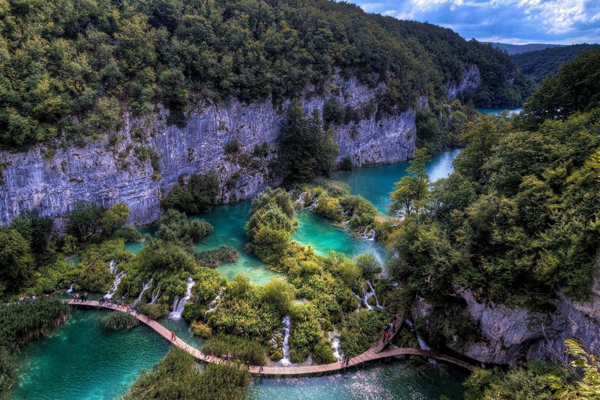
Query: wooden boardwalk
column 374, row 353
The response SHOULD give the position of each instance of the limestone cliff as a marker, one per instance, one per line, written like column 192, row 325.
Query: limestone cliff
column 510, row 335
column 140, row 163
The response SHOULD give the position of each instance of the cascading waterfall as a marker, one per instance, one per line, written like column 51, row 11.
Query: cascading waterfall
column 212, row 306
column 69, row 290
column 178, row 305
column 155, row 294
column 145, row 287
column 335, row 345
column 301, row 198
column 422, row 343
column 113, row 268
column 286, row 342
column 367, row 296
column 368, row 234
column 375, row 295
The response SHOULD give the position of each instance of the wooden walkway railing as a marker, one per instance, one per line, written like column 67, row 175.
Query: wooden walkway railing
column 374, row 353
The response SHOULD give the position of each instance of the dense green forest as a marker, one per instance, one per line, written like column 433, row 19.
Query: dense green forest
column 543, row 64
column 517, row 220
column 70, row 68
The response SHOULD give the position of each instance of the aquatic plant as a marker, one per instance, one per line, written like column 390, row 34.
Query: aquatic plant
column 177, row 376
column 213, row 257
column 237, row 349
column 116, row 321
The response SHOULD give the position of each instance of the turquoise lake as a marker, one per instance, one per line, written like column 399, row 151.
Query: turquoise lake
column 82, row 361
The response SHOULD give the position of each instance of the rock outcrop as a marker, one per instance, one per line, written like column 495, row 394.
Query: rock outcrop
column 510, row 335
column 140, row 163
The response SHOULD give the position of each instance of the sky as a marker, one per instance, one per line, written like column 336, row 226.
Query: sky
column 506, row 21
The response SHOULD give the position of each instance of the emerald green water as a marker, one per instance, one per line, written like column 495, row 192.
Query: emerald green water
column 82, row 361
column 376, row 184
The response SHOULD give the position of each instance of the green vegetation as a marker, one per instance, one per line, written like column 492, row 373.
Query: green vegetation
column 332, row 200
column 518, row 383
column 178, row 377
column 361, row 330
column 72, row 70
column 542, row 64
column 236, row 349
column 575, row 88
column 91, row 223
column 270, row 225
column 307, row 148
column 214, row 257
column 175, row 227
column 21, row 323
column 515, row 223
column 116, row 321
column 198, row 195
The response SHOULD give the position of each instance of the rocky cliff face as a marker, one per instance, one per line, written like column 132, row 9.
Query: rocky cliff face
column 471, row 80
column 140, row 163
column 509, row 335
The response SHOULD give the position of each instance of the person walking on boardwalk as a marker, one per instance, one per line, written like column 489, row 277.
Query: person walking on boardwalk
column 347, row 360
column 173, row 336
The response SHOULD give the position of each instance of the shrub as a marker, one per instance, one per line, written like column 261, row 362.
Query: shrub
column 232, row 147
column 128, row 234
column 116, row 321
column 155, row 310
column 329, row 207
column 346, row 164
column 175, row 227
column 279, row 294
column 177, row 377
column 242, row 350
column 214, row 257
column 200, row 330
column 197, row 196
column 368, row 264
column 323, row 353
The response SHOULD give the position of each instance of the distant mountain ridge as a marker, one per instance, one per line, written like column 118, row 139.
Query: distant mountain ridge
column 513, row 49
column 545, row 63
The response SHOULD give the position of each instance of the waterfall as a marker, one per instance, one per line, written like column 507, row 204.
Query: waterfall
column 359, row 301
column 368, row 234
column 422, row 343
column 145, row 287
column 375, row 294
column 212, row 306
column 118, row 277
column 286, row 342
column 70, row 289
column 301, row 198
column 155, row 294
column 335, row 345
column 178, row 305
column 367, row 296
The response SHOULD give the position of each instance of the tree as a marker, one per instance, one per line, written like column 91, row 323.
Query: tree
column 412, row 190
column 114, row 218
column 280, row 294
column 587, row 371
column 16, row 261
column 84, row 220
column 307, row 150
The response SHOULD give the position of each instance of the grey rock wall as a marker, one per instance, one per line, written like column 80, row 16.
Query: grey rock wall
column 510, row 335
column 121, row 169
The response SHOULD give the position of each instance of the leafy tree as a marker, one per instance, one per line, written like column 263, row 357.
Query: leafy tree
column 16, row 262
column 84, row 220
column 114, row 218
column 280, row 294
column 198, row 195
column 587, row 372
column 175, row 227
column 412, row 190
column 307, row 150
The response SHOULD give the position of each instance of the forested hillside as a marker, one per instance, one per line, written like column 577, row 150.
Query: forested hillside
column 517, row 221
column 543, row 64
column 70, row 68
